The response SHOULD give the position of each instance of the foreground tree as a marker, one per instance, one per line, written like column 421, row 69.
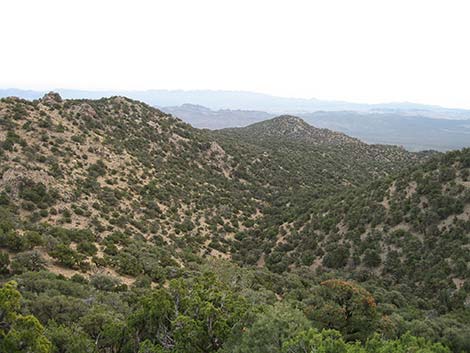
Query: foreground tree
column 19, row 333
column 330, row 341
column 346, row 307
column 189, row 316
column 275, row 325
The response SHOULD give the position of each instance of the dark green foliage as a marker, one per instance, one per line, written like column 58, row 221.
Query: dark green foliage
column 37, row 193
column 196, row 317
column 270, row 330
column 4, row 199
column 345, row 307
column 4, row 263
column 105, row 283
column 331, row 341
column 69, row 339
column 336, row 257
column 27, row 261
column 87, row 248
column 372, row 258
column 97, row 169
column 14, row 241
column 19, row 333
column 66, row 256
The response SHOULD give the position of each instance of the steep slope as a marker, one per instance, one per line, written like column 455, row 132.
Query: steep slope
column 112, row 166
column 340, row 158
column 292, row 127
column 122, row 170
column 411, row 230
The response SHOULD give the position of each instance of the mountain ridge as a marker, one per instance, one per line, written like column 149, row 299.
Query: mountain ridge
column 292, row 127
column 114, row 213
column 172, row 159
column 414, row 132
column 243, row 100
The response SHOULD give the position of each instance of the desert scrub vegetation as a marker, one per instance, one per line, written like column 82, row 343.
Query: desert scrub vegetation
column 113, row 215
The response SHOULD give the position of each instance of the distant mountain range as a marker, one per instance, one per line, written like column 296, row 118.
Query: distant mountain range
column 249, row 101
column 414, row 132
column 206, row 118
column 413, row 126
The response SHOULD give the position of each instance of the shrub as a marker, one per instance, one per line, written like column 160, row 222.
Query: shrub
column 87, row 248
column 28, row 261
column 4, row 263
column 103, row 282
column 372, row 258
column 13, row 241
column 337, row 257
column 37, row 193
column 66, row 256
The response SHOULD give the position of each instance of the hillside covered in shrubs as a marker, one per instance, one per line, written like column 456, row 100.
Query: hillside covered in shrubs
column 123, row 229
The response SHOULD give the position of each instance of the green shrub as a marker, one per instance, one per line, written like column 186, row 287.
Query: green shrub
column 4, row 263
column 87, row 248
column 28, row 261
column 66, row 256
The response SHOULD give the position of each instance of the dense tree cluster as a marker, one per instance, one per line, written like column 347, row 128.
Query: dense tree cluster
column 196, row 314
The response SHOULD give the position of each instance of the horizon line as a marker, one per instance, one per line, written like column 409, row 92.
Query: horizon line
column 113, row 90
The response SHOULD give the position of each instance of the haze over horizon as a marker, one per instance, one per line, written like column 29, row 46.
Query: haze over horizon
column 73, row 93
column 364, row 52
column 215, row 90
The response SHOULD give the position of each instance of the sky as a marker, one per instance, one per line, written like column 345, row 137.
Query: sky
column 367, row 51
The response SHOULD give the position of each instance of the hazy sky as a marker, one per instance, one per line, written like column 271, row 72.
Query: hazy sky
column 362, row 50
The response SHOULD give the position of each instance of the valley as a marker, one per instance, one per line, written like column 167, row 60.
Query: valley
column 132, row 231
